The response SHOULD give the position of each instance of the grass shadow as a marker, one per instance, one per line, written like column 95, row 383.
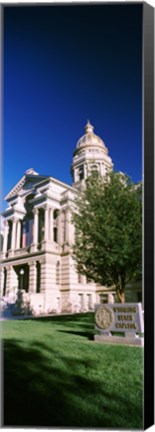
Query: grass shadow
column 88, row 335
column 45, row 388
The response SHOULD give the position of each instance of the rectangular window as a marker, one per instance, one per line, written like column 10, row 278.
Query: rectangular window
column 81, row 301
column 89, row 302
column 103, row 298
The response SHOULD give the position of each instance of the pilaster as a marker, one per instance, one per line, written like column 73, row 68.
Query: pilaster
column 46, row 232
column 48, row 229
column 85, row 301
column 32, row 277
column 51, row 224
column 85, row 171
column 18, row 234
column 34, row 246
column 69, row 228
column 49, row 288
column 68, row 272
column 12, row 280
column 1, row 281
column 93, row 299
column 13, row 238
column 48, row 275
column 110, row 298
column 60, row 228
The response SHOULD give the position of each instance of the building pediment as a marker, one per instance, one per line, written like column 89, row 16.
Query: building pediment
column 40, row 187
column 25, row 184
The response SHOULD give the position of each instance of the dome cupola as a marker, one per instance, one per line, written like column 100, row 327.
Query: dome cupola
column 90, row 139
column 90, row 154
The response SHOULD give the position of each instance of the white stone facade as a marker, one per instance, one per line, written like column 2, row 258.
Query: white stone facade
column 38, row 234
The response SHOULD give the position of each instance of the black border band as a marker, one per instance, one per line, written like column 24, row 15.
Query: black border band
column 148, row 113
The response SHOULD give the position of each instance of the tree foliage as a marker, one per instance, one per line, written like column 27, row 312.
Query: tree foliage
column 108, row 231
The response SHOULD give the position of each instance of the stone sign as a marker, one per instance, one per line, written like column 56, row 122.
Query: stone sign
column 119, row 318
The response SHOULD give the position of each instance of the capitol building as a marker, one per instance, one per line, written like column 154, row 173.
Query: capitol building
column 38, row 236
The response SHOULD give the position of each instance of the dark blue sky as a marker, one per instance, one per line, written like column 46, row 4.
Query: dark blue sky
column 62, row 66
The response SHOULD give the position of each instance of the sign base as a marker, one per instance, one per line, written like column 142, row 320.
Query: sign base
column 118, row 340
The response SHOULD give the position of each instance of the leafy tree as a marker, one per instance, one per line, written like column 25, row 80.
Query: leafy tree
column 108, row 231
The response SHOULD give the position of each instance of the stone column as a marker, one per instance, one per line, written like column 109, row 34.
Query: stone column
column 64, row 227
column 46, row 231
column 110, row 298
column 35, row 228
column 51, row 224
column 18, row 234
column 67, row 227
column 85, row 171
column 13, row 238
column 75, row 175
column 59, row 229
column 84, row 280
column 6, row 231
column 94, row 298
column 32, row 277
column 102, row 169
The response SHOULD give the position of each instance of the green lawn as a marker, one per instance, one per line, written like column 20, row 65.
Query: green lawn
column 55, row 375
